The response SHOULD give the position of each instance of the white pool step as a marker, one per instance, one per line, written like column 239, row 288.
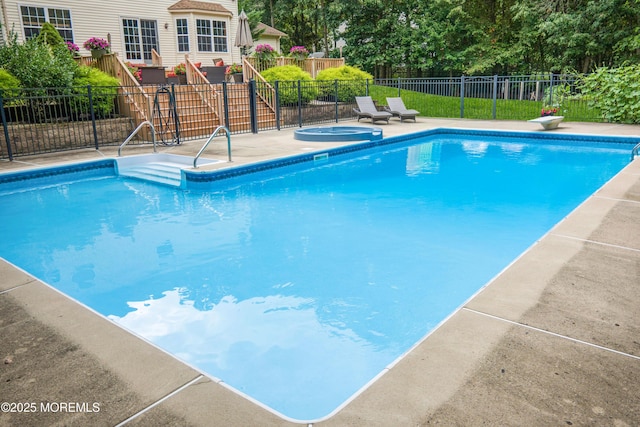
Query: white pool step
column 161, row 172
column 159, row 168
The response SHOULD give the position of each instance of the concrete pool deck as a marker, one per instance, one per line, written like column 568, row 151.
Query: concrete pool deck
column 552, row 340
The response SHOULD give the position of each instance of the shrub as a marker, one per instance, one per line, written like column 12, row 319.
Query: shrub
column 615, row 93
column 37, row 65
column 104, row 89
column 351, row 82
column 8, row 83
column 287, row 77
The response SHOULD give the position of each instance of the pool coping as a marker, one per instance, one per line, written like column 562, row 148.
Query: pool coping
column 408, row 392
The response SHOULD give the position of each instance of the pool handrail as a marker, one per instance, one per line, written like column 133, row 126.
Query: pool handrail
column 215, row 132
column 634, row 151
column 153, row 136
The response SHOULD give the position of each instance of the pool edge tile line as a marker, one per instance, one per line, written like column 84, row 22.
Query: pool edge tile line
column 159, row 401
column 555, row 334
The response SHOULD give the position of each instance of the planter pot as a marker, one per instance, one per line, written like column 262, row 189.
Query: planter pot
column 98, row 53
column 236, row 77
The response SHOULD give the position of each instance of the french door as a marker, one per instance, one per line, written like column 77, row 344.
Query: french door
column 140, row 36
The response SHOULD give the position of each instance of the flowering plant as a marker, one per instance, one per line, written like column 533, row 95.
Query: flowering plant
column 548, row 111
column 171, row 74
column 135, row 71
column 233, row 69
column 264, row 52
column 299, row 52
column 95, row 43
column 73, row 48
column 264, row 48
column 181, row 68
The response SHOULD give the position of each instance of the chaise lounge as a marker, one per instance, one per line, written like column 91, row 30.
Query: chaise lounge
column 397, row 109
column 367, row 109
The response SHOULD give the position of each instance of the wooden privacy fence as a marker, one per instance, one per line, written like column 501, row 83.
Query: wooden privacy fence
column 311, row 65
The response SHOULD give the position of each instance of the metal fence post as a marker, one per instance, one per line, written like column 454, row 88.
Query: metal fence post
column 176, row 119
column 299, row 104
column 366, row 91
column 5, row 126
column 495, row 95
column 462, row 96
column 225, row 104
column 399, row 85
column 337, row 111
column 277, row 101
column 93, row 117
column 253, row 106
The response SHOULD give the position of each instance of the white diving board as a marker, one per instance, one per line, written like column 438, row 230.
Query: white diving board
column 548, row 122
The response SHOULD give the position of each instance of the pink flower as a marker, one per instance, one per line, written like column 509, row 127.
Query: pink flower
column 95, row 43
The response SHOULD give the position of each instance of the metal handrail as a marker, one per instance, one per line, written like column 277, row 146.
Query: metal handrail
column 215, row 132
column 153, row 135
column 634, row 151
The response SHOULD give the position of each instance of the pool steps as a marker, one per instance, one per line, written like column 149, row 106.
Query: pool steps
column 160, row 172
column 159, row 167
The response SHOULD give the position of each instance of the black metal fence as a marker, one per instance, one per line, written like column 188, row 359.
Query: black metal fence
column 37, row 121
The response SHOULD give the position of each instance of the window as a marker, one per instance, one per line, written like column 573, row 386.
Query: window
column 61, row 20
column 212, row 35
column 33, row 17
column 140, row 37
column 219, row 36
column 182, row 29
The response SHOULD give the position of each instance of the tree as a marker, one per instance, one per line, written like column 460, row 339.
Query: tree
column 452, row 37
column 49, row 35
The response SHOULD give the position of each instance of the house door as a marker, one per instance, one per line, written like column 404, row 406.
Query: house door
column 140, row 36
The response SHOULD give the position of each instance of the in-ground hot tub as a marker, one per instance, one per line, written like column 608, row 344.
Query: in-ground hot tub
column 338, row 133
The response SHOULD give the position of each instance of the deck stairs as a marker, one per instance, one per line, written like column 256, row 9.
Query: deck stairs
column 200, row 114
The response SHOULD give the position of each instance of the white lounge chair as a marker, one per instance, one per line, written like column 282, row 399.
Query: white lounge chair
column 396, row 107
column 367, row 109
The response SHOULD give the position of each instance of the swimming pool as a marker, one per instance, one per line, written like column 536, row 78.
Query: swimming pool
column 262, row 249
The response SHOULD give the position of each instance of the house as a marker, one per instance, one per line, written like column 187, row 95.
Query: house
column 203, row 29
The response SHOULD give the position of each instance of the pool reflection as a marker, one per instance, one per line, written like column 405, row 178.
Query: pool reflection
column 281, row 338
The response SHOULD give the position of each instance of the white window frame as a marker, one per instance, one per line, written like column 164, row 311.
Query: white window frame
column 212, row 39
column 34, row 31
column 138, row 39
column 183, row 38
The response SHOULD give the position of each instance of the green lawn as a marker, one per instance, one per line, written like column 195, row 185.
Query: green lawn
column 477, row 108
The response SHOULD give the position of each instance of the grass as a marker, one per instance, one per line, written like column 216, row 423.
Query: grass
column 480, row 108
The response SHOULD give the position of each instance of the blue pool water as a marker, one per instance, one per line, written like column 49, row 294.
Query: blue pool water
column 298, row 285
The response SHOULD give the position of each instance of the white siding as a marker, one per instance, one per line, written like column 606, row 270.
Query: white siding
column 101, row 18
